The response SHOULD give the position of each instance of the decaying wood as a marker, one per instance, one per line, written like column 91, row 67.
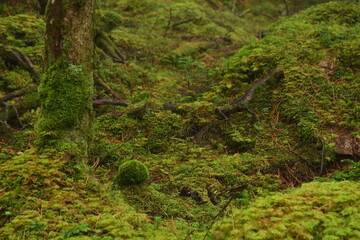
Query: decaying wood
column 195, row 195
column 240, row 104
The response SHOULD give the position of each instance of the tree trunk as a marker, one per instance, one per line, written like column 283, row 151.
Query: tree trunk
column 67, row 85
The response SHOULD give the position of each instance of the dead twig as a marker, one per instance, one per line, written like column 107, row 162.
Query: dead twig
column 183, row 22
column 240, row 103
column 232, row 192
column 322, row 154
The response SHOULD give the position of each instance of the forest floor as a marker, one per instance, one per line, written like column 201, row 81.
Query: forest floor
column 247, row 121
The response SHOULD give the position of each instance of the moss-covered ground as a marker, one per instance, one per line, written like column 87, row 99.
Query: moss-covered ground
column 284, row 165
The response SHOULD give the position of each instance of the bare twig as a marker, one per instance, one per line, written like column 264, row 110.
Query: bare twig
column 244, row 12
column 169, row 22
column 292, row 174
column 18, row 117
column 322, row 154
column 286, row 7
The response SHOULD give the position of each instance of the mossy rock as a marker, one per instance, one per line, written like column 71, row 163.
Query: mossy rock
column 132, row 172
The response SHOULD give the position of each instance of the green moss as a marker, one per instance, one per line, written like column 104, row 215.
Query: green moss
column 107, row 20
column 24, row 32
column 35, row 204
column 314, row 211
column 65, row 93
column 132, row 172
column 316, row 51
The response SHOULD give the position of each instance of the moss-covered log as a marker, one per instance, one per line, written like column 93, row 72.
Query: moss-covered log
column 67, row 85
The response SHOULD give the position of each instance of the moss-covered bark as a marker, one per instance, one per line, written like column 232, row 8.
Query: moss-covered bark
column 67, row 86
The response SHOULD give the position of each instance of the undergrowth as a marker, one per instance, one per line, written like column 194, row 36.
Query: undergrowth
column 184, row 60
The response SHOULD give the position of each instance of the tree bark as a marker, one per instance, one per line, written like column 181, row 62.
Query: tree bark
column 67, row 85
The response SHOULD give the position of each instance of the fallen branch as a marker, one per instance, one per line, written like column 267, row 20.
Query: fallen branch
column 23, row 60
column 231, row 190
column 107, row 101
column 183, row 22
column 96, row 102
column 169, row 22
column 236, row 189
column 17, row 93
column 213, row 4
column 107, row 87
column 302, row 158
column 240, row 104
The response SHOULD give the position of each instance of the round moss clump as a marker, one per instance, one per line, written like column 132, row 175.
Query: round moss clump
column 132, row 172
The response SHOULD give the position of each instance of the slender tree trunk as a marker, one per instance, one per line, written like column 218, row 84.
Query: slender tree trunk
column 67, row 85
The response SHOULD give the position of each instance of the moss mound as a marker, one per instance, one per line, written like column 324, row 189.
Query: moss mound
column 132, row 172
column 316, row 210
column 317, row 52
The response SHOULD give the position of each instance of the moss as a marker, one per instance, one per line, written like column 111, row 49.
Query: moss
column 35, row 204
column 107, row 20
column 316, row 210
column 24, row 32
column 132, row 172
column 316, row 52
column 65, row 93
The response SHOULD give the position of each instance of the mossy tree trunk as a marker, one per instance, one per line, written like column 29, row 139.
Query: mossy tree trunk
column 67, row 85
